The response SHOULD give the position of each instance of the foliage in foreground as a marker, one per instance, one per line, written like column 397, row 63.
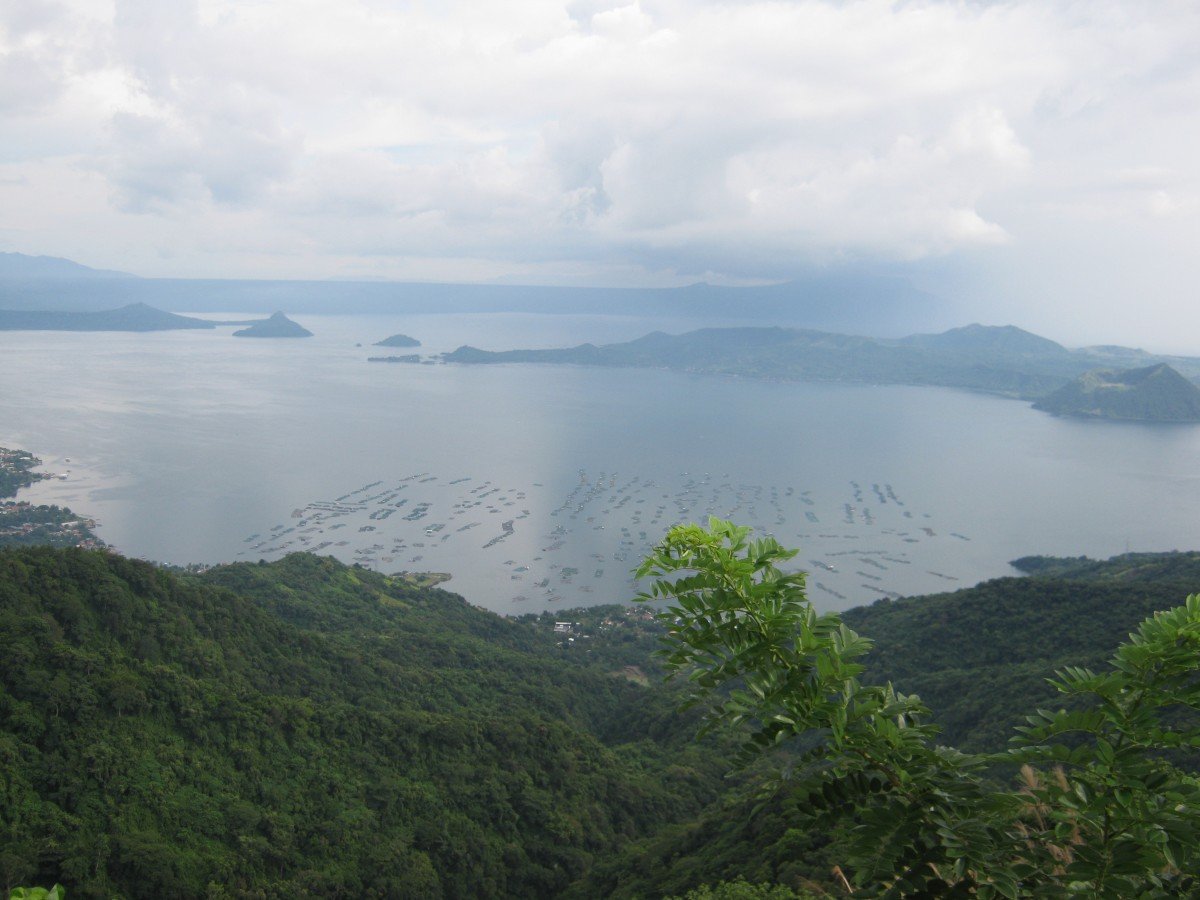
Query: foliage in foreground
column 58, row 892
column 1099, row 810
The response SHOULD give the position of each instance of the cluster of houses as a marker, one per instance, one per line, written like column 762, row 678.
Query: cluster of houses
column 22, row 523
column 625, row 617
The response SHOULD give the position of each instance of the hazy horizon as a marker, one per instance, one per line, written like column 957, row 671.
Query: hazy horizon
column 873, row 315
column 1031, row 163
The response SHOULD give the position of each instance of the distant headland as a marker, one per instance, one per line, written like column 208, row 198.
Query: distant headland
column 1002, row 360
column 133, row 317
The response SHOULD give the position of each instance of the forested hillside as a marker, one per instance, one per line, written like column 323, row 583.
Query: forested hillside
column 304, row 728
column 980, row 658
column 307, row 728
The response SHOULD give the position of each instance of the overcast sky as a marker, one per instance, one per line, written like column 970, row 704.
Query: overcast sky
column 1039, row 162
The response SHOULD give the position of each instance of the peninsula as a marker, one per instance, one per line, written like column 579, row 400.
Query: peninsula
column 1003, row 360
column 133, row 317
column 277, row 326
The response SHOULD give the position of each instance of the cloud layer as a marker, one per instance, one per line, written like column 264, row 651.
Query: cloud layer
column 599, row 142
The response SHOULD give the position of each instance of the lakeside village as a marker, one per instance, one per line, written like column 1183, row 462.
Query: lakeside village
column 629, row 634
column 25, row 523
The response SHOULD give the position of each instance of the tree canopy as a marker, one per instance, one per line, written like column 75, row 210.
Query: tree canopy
column 1101, row 807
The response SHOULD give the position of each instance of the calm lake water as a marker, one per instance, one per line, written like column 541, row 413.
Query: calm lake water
column 538, row 487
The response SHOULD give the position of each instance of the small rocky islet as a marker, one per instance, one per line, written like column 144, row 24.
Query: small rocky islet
column 277, row 326
column 398, row 340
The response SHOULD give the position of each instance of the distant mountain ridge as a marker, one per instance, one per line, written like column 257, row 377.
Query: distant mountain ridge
column 1002, row 339
column 1151, row 394
column 22, row 266
column 833, row 301
column 1003, row 360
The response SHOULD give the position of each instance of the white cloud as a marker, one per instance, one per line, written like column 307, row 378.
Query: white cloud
column 735, row 139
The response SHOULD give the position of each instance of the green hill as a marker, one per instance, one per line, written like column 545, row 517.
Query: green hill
column 305, row 728
column 1176, row 566
column 1150, row 394
column 978, row 657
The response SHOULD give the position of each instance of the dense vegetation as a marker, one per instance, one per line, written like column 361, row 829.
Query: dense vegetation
column 979, row 658
column 1177, row 566
column 1101, row 809
column 304, row 727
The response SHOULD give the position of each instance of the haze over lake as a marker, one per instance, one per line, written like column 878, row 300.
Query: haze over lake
column 194, row 447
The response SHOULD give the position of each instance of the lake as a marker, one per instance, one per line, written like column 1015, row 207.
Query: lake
column 540, row 487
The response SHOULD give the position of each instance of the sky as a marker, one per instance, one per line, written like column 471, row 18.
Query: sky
column 1035, row 162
